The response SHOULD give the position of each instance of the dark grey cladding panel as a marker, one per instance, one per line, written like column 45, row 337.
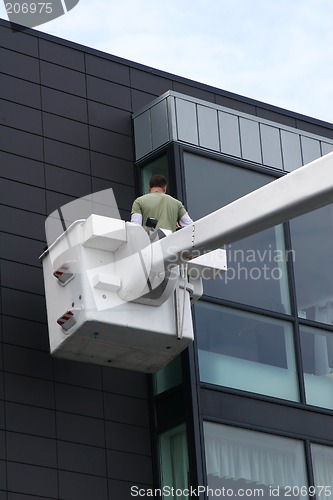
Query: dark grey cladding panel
column 14, row 141
column 19, row 41
column 65, row 130
column 21, row 248
column 29, row 391
column 80, row 429
column 125, row 382
column 25, row 333
column 18, row 90
column 34, row 480
column 22, row 222
column 111, row 143
column 24, row 197
column 19, row 65
column 109, row 93
column 107, row 69
column 66, row 156
column 109, row 118
column 61, row 55
column 81, row 458
column 22, row 169
column 80, row 374
column 64, row 79
column 29, row 419
column 22, row 277
column 129, row 467
column 149, row 82
column 80, row 486
column 23, row 305
column 110, row 168
column 128, row 438
column 30, row 362
column 79, row 400
column 63, row 104
column 67, row 182
column 34, row 450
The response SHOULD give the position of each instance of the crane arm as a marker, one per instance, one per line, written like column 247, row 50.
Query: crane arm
column 299, row 192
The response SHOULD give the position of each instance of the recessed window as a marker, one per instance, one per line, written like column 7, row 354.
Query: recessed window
column 246, row 351
column 317, row 357
column 253, row 464
column 322, row 460
column 174, row 461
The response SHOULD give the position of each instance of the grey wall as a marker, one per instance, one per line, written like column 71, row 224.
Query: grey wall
column 70, row 430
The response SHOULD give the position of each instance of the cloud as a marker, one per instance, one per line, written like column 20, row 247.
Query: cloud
column 276, row 52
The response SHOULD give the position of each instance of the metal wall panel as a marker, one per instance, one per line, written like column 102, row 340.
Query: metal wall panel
column 291, row 150
column 229, row 134
column 208, row 128
column 250, row 140
column 186, row 120
column 271, row 146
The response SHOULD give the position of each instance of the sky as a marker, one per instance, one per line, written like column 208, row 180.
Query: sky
column 276, row 51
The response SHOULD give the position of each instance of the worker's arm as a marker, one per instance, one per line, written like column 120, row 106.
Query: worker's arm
column 185, row 220
column 136, row 219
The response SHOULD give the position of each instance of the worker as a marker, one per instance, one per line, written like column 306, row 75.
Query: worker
column 170, row 213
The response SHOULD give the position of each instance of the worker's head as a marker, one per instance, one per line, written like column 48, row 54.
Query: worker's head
column 158, row 181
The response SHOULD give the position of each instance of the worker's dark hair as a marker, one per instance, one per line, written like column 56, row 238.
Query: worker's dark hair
column 157, row 180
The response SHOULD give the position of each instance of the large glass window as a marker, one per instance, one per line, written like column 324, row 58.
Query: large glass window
column 317, row 357
column 246, row 351
column 256, row 272
column 322, row 460
column 253, row 464
column 174, row 461
column 312, row 242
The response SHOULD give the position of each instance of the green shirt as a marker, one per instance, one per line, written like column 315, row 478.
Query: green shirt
column 163, row 207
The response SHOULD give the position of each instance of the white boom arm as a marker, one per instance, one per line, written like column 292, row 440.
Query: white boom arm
column 298, row 192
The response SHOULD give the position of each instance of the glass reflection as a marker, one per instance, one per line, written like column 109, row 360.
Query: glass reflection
column 312, row 242
column 257, row 266
column 245, row 351
column 317, row 357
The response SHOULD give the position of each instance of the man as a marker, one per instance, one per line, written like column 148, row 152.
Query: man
column 169, row 212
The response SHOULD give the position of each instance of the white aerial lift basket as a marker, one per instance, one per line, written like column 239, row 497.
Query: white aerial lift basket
column 105, row 305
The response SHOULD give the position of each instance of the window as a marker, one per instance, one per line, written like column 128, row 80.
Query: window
column 174, row 460
column 246, row 351
column 158, row 166
column 169, row 376
column 322, row 460
column 317, row 357
column 244, row 461
column 312, row 242
column 256, row 272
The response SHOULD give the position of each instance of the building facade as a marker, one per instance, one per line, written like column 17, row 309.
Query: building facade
column 248, row 409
